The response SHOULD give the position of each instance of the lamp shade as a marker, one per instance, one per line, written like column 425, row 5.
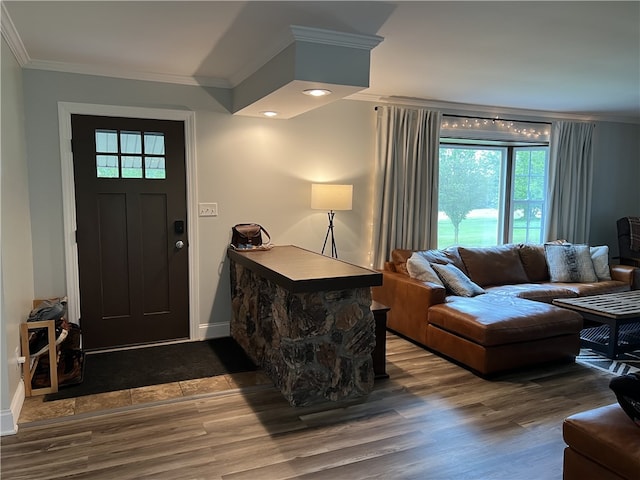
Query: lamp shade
column 331, row 197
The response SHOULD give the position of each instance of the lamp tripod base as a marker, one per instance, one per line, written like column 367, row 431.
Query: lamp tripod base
column 334, row 250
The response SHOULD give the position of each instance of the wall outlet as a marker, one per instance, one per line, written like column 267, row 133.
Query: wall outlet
column 208, row 209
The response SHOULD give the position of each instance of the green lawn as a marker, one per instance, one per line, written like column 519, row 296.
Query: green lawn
column 480, row 232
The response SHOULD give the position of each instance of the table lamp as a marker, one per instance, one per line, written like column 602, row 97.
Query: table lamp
column 331, row 197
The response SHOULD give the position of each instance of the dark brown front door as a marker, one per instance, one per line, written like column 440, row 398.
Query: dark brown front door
column 130, row 186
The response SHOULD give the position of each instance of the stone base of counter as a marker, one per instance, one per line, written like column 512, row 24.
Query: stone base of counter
column 314, row 346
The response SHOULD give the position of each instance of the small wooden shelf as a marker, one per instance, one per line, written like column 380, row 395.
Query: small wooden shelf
column 28, row 369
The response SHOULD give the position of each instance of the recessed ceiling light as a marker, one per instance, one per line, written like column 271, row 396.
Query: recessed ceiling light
column 317, row 92
column 269, row 113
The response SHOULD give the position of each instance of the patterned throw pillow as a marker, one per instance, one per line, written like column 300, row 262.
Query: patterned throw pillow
column 570, row 263
column 420, row 269
column 456, row 281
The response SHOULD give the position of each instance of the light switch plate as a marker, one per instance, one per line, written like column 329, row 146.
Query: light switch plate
column 208, row 209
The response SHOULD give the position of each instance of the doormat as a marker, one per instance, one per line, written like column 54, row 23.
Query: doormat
column 141, row 367
column 624, row 364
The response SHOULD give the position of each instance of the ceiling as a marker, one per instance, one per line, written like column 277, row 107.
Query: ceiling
column 570, row 58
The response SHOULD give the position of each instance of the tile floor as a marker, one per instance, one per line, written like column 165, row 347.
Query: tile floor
column 35, row 409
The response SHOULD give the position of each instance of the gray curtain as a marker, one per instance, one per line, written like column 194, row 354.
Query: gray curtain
column 406, row 199
column 570, row 180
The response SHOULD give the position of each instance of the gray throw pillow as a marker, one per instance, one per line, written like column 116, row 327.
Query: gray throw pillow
column 456, row 281
column 420, row 269
column 570, row 263
column 600, row 260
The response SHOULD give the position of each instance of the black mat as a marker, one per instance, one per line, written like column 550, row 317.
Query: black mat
column 121, row 370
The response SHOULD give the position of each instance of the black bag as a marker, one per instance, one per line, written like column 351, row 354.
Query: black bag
column 627, row 391
column 248, row 236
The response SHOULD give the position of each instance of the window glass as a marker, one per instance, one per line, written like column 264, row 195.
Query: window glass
column 132, row 167
column 107, row 166
column 530, row 173
column 107, row 141
column 154, row 167
column 489, row 195
column 130, row 142
column 153, row 143
column 119, row 154
column 469, row 197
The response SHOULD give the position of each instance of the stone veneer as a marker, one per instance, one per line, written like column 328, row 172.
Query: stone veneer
column 314, row 346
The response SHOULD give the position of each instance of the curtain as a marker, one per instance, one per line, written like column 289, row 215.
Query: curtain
column 406, row 198
column 570, row 180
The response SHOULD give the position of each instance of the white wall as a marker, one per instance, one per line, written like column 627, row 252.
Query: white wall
column 257, row 170
column 15, row 238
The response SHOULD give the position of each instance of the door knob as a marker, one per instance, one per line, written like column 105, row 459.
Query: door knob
column 179, row 244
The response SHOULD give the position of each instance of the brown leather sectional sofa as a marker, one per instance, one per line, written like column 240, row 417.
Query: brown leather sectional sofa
column 512, row 325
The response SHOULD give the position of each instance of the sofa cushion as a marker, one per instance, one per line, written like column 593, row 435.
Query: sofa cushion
column 570, row 263
column 497, row 265
column 539, row 292
column 456, row 281
column 420, row 269
column 534, row 262
column 596, row 288
column 501, row 319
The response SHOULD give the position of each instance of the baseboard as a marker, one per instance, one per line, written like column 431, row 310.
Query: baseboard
column 9, row 418
column 213, row 330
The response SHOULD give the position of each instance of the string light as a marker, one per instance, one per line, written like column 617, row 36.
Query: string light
column 532, row 131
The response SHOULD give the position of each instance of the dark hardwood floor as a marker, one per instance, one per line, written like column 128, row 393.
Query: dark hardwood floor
column 430, row 420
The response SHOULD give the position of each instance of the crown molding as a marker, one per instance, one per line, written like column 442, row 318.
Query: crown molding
column 11, row 36
column 331, row 37
column 127, row 74
column 453, row 108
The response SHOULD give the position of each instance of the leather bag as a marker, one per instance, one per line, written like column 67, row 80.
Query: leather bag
column 248, row 236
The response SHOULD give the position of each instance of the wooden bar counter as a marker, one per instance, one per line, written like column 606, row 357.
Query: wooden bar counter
column 306, row 320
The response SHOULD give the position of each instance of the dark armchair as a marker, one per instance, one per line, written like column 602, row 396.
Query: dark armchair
column 629, row 251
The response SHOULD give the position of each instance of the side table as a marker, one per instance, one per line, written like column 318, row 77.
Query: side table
column 380, row 350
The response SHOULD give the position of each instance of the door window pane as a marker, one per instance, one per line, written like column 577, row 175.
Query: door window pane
column 107, row 141
column 154, row 167
column 107, row 166
column 130, row 142
column 153, row 143
column 132, row 167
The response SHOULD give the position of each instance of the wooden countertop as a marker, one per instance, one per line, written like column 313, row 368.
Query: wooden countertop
column 299, row 270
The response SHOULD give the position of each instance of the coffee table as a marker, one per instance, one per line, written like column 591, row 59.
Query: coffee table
column 620, row 312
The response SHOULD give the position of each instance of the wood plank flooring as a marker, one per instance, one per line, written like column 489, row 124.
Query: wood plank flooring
column 430, row 420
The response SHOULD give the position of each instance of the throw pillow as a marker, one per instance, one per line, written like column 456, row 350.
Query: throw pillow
column 456, row 281
column 570, row 263
column 627, row 391
column 600, row 260
column 420, row 269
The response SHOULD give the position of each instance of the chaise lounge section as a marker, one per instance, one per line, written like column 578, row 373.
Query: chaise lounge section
column 509, row 322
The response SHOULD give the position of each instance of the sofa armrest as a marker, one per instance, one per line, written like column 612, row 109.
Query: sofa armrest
column 627, row 274
column 409, row 301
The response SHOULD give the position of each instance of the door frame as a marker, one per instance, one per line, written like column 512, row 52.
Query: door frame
column 65, row 110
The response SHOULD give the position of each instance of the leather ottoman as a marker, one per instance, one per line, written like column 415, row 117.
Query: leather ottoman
column 603, row 443
column 494, row 333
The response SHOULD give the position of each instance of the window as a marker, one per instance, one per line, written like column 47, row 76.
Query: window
column 119, row 154
column 491, row 193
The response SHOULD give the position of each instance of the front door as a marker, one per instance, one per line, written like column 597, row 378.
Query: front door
column 130, row 186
